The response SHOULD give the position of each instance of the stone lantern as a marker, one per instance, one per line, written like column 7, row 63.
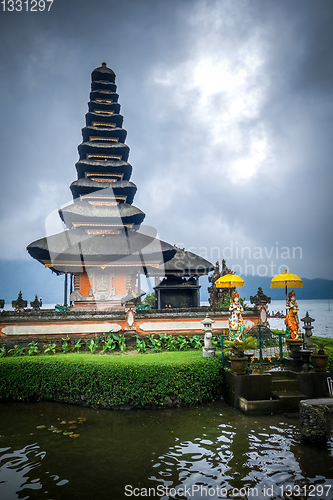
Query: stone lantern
column 208, row 351
column 307, row 320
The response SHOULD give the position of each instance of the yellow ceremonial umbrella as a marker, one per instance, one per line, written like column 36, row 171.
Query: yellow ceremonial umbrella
column 283, row 280
column 229, row 281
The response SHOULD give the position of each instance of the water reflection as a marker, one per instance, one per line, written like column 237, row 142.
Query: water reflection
column 208, row 447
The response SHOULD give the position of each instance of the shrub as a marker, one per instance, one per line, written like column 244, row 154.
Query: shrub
column 181, row 343
column 33, row 348
column 65, row 346
column 121, row 341
column 107, row 381
column 140, row 344
column 109, row 343
column 196, row 342
column 93, row 345
column 149, row 300
column 50, row 349
column 17, row 351
column 77, row 346
column 153, row 344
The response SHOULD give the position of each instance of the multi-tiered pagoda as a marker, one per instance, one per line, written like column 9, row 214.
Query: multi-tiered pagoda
column 104, row 247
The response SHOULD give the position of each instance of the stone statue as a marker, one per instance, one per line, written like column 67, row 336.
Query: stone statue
column 217, row 295
column 291, row 321
column 236, row 322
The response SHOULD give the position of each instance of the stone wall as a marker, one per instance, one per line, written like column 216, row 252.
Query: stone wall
column 315, row 424
column 50, row 324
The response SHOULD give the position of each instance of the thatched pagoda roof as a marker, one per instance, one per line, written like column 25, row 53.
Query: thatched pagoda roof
column 86, row 186
column 73, row 250
column 82, row 211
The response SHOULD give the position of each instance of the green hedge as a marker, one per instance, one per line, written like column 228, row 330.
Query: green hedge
column 110, row 381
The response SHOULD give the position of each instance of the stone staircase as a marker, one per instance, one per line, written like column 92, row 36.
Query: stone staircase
column 285, row 391
column 285, row 396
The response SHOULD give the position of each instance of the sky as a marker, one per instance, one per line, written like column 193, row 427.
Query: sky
column 228, row 105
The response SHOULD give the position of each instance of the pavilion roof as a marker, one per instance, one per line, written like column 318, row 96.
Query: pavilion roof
column 187, row 264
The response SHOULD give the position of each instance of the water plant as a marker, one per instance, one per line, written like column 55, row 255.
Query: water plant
column 33, row 348
column 50, row 349
column 17, row 350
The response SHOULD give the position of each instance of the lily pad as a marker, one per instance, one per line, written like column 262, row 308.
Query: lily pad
column 74, row 435
column 82, row 419
column 72, row 421
column 57, row 431
column 63, row 422
column 73, row 426
column 67, row 433
column 41, row 426
column 52, row 428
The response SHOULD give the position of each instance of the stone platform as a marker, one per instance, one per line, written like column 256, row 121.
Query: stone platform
column 277, row 391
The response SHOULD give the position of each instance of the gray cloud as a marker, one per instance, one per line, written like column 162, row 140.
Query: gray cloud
column 228, row 108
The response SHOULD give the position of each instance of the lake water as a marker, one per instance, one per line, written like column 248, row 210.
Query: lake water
column 320, row 310
column 198, row 453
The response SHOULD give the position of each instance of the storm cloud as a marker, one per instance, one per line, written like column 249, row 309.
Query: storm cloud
column 229, row 112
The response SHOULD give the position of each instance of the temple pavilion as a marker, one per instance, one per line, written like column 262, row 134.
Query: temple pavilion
column 105, row 248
